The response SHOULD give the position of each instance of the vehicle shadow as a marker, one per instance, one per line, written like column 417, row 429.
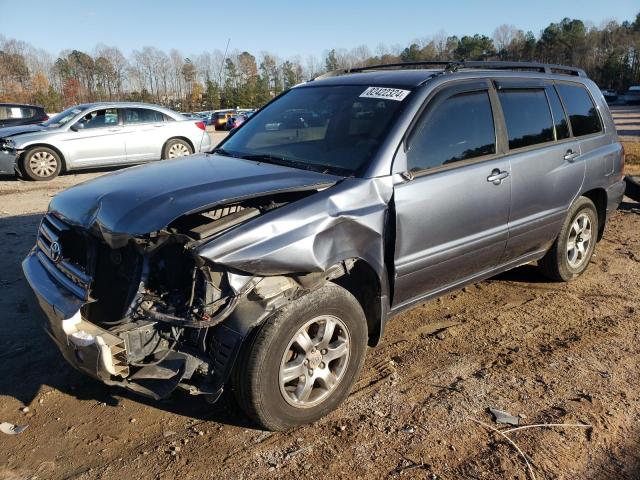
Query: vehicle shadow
column 523, row 274
column 30, row 361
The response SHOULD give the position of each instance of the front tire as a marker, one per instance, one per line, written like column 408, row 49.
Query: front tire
column 570, row 254
column 302, row 362
column 176, row 148
column 40, row 163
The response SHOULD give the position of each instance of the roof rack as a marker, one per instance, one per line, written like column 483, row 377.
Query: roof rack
column 454, row 65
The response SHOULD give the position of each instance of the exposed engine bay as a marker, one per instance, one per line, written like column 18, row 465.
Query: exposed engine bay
column 160, row 308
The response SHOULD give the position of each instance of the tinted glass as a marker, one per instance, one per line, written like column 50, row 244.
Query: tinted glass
column 322, row 128
column 142, row 115
column 459, row 128
column 28, row 112
column 99, row 118
column 582, row 112
column 527, row 115
column 559, row 117
column 16, row 112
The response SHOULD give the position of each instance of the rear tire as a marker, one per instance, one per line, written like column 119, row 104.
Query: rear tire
column 279, row 383
column 571, row 252
column 40, row 163
column 176, row 148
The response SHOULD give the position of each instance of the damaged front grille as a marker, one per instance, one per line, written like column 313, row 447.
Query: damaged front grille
column 63, row 254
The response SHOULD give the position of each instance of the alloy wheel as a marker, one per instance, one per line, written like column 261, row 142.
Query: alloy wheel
column 315, row 361
column 579, row 241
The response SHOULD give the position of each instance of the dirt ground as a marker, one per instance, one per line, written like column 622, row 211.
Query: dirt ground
column 550, row 352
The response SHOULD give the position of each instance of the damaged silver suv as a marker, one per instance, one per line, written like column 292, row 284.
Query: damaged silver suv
column 269, row 264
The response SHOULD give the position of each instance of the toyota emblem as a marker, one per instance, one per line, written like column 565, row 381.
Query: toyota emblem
column 55, row 251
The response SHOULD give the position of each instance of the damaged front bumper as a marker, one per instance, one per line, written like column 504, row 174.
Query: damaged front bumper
column 63, row 323
column 98, row 352
column 8, row 161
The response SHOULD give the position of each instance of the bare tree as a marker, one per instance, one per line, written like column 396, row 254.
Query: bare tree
column 503, row 35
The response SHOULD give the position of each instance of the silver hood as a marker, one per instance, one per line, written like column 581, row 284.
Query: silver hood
column 147, row 198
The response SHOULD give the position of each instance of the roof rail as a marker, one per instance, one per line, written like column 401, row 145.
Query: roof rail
column 454, row 65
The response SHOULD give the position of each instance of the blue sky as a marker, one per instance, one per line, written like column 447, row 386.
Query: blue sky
column 285, row 28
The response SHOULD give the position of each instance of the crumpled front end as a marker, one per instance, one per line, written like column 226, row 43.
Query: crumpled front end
column 171, row 308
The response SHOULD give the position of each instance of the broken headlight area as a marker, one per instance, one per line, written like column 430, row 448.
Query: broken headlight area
column 160, row 309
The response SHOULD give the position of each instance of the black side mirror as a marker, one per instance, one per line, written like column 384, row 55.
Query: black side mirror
column 74, row 128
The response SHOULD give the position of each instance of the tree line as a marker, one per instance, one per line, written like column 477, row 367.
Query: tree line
column 610, row 54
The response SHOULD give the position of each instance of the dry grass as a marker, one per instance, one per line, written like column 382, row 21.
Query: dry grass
column 632, row 153
column 632, row 158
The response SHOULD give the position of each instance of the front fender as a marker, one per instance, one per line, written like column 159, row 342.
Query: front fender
column 311, row 235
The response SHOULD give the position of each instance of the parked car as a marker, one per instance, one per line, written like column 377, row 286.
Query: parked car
column 610, row 95
column 220, row 119
column 99, row 134
column 632, row 96
column 12, row 114
column 235, row 121
column 268, row 266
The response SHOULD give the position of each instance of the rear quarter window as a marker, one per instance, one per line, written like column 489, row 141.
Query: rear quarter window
column 528, row 117
column 583, row 116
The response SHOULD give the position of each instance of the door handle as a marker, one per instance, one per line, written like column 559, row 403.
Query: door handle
column 114, row 129
column 570, row 156
column 497, row 176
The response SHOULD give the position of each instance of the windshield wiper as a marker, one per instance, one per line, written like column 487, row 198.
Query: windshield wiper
column 277, row 160
column 226, row 153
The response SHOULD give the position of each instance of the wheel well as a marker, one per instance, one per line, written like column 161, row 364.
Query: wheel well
column 363, row 283
column 599, row 198
column 179, row 138
column 51, row 147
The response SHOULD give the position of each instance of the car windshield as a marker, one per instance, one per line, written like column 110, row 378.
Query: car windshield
column 336, row 129
column 63, row 117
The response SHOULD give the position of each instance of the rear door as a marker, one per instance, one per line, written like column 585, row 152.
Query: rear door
column 146, row 134
column 96, row 139
column 547, row 168
column 451, row 217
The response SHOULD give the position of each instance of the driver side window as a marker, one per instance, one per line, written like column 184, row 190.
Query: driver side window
column 99, row 118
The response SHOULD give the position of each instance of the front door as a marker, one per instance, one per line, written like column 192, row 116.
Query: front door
column 96, row 139
column 452, row 216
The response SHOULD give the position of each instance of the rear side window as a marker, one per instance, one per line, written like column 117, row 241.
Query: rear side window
column 28, row 112
column 527, row 115
column 16, row 112
column 142, row 115
column 582, row 112
column 459, row 128
column 559, row 117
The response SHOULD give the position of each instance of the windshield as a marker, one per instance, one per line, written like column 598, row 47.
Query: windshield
column 63, row 117
column 336, row 129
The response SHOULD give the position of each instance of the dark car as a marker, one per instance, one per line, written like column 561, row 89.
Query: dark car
column 236, row 121
column 610, row 95
column 268, row 265
column 219, row 119
column 12, row 114
column 632, row 96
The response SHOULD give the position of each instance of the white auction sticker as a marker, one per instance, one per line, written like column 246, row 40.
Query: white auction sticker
column 385, row 93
